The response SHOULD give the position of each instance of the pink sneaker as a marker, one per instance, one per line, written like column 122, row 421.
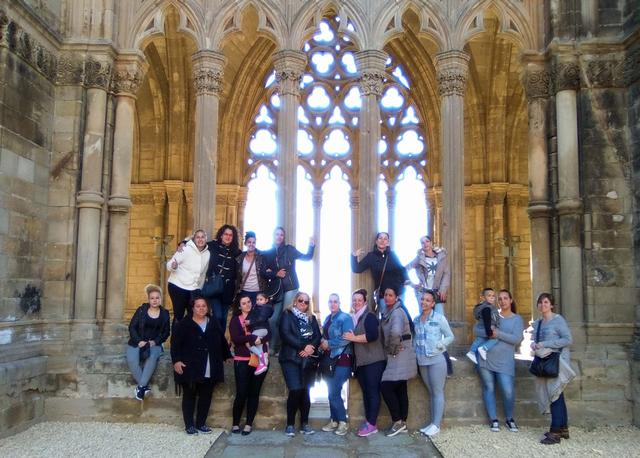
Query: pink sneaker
column 367, row 429
column 261, row 367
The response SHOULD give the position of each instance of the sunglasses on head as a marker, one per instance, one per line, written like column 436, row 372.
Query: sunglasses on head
column 302, row 301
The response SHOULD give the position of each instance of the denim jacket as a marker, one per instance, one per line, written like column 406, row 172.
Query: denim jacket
column 432, row 336
column 340, row 323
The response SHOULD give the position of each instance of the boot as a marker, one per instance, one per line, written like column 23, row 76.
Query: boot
column 551, row 438
column 563, row 432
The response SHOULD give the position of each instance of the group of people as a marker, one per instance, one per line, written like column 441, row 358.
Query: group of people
column 380, row 344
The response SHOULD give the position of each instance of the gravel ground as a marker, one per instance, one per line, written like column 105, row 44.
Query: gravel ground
column 479, row 441
column 96, row 440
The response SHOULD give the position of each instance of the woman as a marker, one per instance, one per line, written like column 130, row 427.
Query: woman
column 499, row 366
column 280, row 266
column 433, row 335
column 401, row 361
column 298, row 359
column 188, row 266
column 224, row 251
column 552, row 334
column 248, row 384
column 248, row 264
column 148, row 330
column 336, row 347
column 386, row 269
column 370, row 359
column 198, row 349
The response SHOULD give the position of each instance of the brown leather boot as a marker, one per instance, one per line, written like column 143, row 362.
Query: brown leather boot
column 562, row 432
column 551, row 438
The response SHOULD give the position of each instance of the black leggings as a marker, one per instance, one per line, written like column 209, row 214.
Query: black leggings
column 369, row 377
column 396, row 398
column 248, row 387
column 203, row 391
column 181, row 300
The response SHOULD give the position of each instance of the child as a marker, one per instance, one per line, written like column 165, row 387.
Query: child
column 487, row 317
column 258, row 323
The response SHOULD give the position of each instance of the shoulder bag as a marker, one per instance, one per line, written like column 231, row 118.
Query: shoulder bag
column 214, row 284
column 548, row 367
column 376, row 292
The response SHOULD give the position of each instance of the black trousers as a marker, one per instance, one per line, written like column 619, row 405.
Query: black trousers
column 396, row 398
column 203, row 391
column 369, row 377
column 181, row 300
column 248, row 386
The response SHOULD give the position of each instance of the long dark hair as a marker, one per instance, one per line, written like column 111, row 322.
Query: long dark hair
column 236, row 304
column 284, row 235
column 513, row 302
column 234, row 231
column 375, row 246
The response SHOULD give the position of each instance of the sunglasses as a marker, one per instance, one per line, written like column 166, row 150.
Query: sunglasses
column 302, row 301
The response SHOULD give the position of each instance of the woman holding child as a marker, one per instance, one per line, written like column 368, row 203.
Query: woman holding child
column 499, row 365
column 244, row 331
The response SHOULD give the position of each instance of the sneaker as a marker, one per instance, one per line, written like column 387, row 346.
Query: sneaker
column 330, row 427
column 483, row 353
column 495, row 426
column 139, row 393
column 191, row 431
column 204, row 429
column 342, row 429
column 147, row 390
column 261, row 368
column 511, row 424
column 472, row 357
column 290, row 431
column 424, row 429
column 307, row 430
column 430, row 430
column 367, row 429
column 397, row 428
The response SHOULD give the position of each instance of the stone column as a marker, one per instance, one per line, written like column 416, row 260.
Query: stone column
column 452, row 67
column 569, row 205
column 243, row 193
column 431, row 211
column 479, row 199
column 391, row 210
column 289, row 65
column 371, row 65
column 128, row 76
column 536, row 84
column 497, row 196
column 90, row 198
column 317, row 212
column 207, row 81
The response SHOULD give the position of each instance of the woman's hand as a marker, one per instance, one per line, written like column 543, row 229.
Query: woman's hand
column 152, row 343
column 538, row 346
column 281, row 273
column 258, row 341
column 359, row 252
column 174, row 264
column 178, row 367
column 349, row 335
column 141, row 344
column 324, row 345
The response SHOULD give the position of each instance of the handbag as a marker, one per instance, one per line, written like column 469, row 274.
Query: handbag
column 214, row 284
column 254, row 361
column 327, row 365
column 547, row 367
column 376, row 292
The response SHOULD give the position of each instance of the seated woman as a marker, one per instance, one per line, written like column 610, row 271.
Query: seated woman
column 300, row 335
column 148, row 330
column 370, row 359
column 433, row 335
column 248, row 380
column 198, row 349
column 337, row 348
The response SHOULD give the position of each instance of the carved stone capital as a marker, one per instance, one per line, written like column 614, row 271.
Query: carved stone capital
column 537, row 83
column 601, row 72
column 289, row 66
column 208, row 72
column 372, row 82
column 451, row 71
column 498, row 193
column 371, row 65
column 69, row 71
column 97, row 73
column 128, row 75
column 566, row 76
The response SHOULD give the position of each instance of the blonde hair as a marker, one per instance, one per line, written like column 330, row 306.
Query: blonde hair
column 151, row 288
column 309, row 311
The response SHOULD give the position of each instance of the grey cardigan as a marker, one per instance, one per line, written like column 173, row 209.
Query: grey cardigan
column 401, row 357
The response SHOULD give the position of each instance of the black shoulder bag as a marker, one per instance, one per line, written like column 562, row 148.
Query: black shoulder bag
column 548, row 367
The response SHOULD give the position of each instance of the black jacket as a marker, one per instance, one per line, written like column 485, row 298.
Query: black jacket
column 394, row 274
column 192, row 346
column 222, row 261
column 258, row 265
column 292, row 340
column 284, row 257
column 138, row 332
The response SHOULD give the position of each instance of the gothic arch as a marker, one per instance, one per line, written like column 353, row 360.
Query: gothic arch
column 388, row 25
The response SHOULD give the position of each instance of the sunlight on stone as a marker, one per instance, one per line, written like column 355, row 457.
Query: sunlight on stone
column 270, row 79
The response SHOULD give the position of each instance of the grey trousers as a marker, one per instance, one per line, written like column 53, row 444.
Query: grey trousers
column 435, row 376
column 143, row 373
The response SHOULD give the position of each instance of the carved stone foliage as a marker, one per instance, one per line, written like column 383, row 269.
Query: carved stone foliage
column 607, row 72
column 289, row 66
column 69, row 70
column 207, row 81
column 371, row 82
column 451, row 82
column 566, row 76
column 288, row 80
column 126, row 81
column 22, row 44
column 97, row 73
column 537, row 84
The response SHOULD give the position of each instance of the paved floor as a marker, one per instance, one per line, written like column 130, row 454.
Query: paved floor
column 274, row 444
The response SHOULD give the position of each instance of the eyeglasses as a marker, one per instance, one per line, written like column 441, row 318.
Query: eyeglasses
column 302, row 301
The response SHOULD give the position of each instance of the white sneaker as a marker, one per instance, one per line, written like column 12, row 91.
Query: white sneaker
column 483, row 353
column 424, row 429
column 331, row 426
column 342, row 429
column 472, row 357
column 431, row 430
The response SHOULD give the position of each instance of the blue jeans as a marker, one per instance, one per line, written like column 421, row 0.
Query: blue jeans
column 335, row 384
column 142, row 374
column 220, row 312
column 274, row 321
column 559, row 416
column 505, row 382
column 434, row 377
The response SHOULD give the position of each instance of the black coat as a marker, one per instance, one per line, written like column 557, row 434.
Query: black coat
column 138, row 332
column 192, row 346
column 222, row 261
column 394, row 273
column 292, row 340
column 284, row 257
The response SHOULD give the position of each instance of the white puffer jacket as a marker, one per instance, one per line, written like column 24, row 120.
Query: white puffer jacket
column 192, row 267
